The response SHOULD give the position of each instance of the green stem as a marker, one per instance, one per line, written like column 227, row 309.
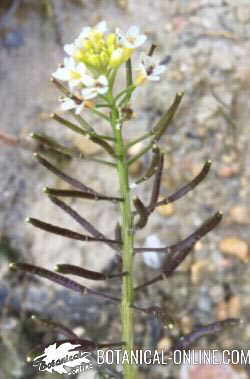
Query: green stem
column 139, row 139
column 127, row 313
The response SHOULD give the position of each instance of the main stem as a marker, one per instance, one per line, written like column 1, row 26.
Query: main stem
column 127, row 316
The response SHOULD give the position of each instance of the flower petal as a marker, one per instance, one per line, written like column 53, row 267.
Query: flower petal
column 133, row 31
column 101, row 27
column 103, row 80
column 87, row 80
column 61, row 73
column 89, row 93
column 69, row 48
column 67, row 104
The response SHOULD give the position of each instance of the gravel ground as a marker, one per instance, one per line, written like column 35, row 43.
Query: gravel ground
column 208, row 42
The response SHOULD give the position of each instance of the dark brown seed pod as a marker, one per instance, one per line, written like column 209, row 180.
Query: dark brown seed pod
column 79, row 271
column 79, row 194
column 84, row 223
column 186, row 188
column 213, row 328
column 59, row 279
column 154, row 164
column 68, row 179
column 142, row 213
column 54, row 325
column 54, row 277
column 179, row 251
column 63, row 231
column 84, row 273
column 188, row 242
column 156, row 185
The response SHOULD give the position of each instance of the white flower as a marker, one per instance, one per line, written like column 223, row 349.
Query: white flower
column 68, row 104
column 94, row 87
column 132, row 39
column 101, row 27
column 149, row 69
column 71, row 72
column 72, row 48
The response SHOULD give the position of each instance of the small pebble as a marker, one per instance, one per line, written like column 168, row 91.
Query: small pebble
column 166, row 210
column 234, row 246
column 86, row 146
column 240, row 214
column 228, row 171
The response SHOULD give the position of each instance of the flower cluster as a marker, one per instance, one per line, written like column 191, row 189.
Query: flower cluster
column 93, row 59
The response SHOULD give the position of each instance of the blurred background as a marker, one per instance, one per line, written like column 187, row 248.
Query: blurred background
column 209, row 45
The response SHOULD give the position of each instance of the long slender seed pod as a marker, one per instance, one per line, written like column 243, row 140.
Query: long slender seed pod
column 186, row 188
column 68, row 152
column 84, row 273
column 68, row 124
column 49, row 141
column 65, row 232
column 142, row 213
column 55, row 325
column 84, row 223
column 79, row 194
column 188, row 242
column 162, row 125
column 104, row 144
column 154, row 164
column 99, row 140
column 168, row 270
column 59, row 279
column 216, row 327
column 68, row 179
column 180, row 250
column 79, row 271
column 156, row 185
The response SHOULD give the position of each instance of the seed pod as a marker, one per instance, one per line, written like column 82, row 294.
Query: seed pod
column 63, row 231
column 214, row 328
column 79, row 194
column 162, row 125
column 54, row 325
column 142, row 212
column 68, row 179
column 187, row 187
column 152, row 169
